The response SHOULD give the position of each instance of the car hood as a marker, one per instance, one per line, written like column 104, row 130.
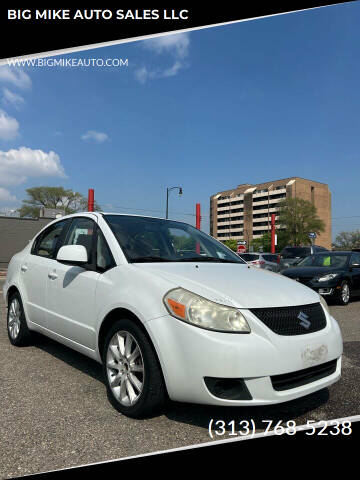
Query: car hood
column 238, row 285
column 310, row 271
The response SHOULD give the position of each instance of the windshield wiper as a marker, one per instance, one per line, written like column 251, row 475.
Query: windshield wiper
column 206, row 259
column 150, row 259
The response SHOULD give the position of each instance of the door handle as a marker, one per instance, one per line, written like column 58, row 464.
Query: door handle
column 24, row 268
column 52, row 275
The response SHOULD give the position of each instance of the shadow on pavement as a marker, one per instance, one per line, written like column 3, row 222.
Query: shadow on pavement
column 192, row 414
column 69, row 356
column 200, row 415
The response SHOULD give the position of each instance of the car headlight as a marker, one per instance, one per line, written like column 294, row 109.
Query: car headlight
column 203, row 313
column 326, row 278
column 324, row 304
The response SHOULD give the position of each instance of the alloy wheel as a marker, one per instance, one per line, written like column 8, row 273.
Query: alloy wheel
column 125, row 368
column 14, row 318
column 345, row 293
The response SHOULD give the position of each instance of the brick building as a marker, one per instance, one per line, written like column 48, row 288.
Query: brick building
column 244, row 213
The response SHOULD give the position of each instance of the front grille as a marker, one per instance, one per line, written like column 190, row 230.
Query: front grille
column 302, row 377
column 286, row 321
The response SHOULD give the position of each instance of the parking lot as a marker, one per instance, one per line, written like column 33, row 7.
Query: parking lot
column 55, row 413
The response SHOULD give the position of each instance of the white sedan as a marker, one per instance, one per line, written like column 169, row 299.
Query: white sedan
column 170, row 312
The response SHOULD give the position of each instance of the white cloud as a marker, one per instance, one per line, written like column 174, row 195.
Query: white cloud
column 6, row 196
column 17, row 165
column 96, row 136
column 9, row 126
column 175, row 45
column 15, row 76
column 170, row 72
column 142, row 74
column 12, row 99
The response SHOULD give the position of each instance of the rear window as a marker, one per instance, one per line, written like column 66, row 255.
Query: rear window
column 249, row 257
column 270, row 258
column 295, row 252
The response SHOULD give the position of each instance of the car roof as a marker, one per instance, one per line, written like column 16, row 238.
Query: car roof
column 79, row 214
column 258, row 253
column 305, row 246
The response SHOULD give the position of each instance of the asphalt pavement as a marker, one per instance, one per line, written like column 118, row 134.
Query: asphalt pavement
column 55, row 413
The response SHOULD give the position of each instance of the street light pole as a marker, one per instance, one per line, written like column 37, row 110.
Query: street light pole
column 168, row 190
column 268, row 198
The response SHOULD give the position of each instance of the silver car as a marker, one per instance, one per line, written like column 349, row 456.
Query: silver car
column 267, row 261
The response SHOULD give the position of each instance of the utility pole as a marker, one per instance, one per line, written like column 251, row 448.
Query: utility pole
column 198, row 224
column 198, row 216
column 91, row 200
column 273, row 233
column 295, row 219
column 268, row 215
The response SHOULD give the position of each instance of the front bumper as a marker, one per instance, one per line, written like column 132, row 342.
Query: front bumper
column 329, row 288
column 189, row 354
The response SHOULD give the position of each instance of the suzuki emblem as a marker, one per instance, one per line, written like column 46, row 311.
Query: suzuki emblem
column 304, row 322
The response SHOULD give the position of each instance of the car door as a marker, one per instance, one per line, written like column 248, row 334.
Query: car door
column 34, row 271
column 71, row 289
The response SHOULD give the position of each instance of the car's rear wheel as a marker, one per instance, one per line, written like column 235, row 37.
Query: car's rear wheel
column 345, row 293
column 133, row 375
column 18, row 331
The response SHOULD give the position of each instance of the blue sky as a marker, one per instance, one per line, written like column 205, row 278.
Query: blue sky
column 207, row 110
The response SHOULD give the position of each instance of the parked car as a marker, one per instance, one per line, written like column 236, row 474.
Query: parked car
column 267, row 261
column 200, row 326
column 332, row 274
column 290, row 256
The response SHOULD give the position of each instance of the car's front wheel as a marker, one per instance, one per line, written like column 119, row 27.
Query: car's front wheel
column 18, row 331
column 133, row 376
column 345, row 293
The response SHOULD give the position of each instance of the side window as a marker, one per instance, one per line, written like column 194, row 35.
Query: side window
column 104, row 258
column 81, row 232
column 45, row 245
column 270, row 258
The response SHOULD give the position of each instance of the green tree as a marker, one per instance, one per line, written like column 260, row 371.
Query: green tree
column 231, row 244
column 264, row 242
column 299, row 217
column 347, row 240
column 53, row 197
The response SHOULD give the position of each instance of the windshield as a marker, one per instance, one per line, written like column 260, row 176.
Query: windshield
column 324, row 260
column 145, row 239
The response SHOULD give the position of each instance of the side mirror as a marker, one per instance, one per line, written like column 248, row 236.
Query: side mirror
column 355, row 265
column 72, row 255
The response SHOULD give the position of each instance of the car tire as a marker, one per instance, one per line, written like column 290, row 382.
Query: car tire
column 345, row 293
column 134, row 381
column 18, row 331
